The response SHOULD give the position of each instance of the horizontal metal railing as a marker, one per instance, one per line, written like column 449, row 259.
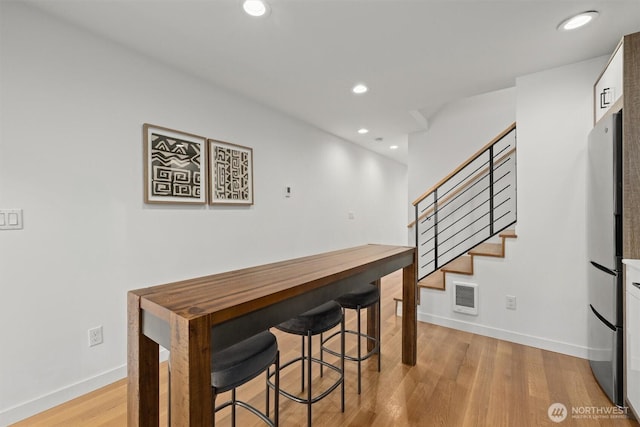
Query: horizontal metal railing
column 474, row 202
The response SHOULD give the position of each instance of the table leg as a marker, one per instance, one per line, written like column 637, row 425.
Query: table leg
column 409, row 314
column 190, row 360
column 143, row 383
column 372, row 318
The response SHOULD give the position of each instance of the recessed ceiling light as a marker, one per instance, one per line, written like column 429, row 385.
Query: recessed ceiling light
column 359, row 89
column 393, row 147
column 362, row 131
column 255, row 7
column 578, row 20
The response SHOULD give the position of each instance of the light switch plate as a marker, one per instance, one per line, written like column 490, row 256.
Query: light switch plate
column 10, row 219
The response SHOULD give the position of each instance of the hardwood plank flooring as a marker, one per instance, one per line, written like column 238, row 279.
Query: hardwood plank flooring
column 461, row 379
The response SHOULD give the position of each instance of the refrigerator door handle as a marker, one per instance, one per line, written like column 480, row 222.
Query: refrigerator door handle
column 602, row 319
column 603, row 268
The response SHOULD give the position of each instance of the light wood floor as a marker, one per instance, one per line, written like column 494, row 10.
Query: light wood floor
column 460, row 379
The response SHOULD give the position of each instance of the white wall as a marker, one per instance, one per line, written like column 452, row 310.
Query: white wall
column 72, row 109
column 545, row 267
column 455, row 133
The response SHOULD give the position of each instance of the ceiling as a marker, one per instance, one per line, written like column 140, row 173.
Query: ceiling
column 305, row 56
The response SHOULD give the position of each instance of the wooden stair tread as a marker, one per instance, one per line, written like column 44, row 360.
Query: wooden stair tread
column 460, row 265
column 508, row 234
column 433, row 281
column 488, row 249
column 464, row 263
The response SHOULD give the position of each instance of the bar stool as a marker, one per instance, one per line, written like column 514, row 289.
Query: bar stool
column 239, row 364
column 358, row 299
column 308, row 324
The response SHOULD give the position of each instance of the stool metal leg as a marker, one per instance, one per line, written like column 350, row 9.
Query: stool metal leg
column 276, row 392
column 321, row 356
column 342, row 324
column 379, row 334
column 233, row 408
column 267, row 406
column 302, row 371
column 309, row 395
column 359, row 336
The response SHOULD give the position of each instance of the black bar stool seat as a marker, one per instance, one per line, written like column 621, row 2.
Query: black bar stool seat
column 240, row 363
column 243, row 361
column 307, row 324
column 362, row 297
column 315, row 321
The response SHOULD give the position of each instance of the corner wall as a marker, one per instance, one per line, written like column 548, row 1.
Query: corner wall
column 455, row 133
column 545, row 267
column 71, row 112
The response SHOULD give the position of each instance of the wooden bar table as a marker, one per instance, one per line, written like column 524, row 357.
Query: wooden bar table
column 191, row 317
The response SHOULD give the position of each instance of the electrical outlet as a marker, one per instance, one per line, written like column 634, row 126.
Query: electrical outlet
column 95, row 336
column 511, row 302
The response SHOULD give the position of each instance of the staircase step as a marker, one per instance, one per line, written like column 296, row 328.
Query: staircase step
column 488, row 249
column 433, row 281
column 464, row 264
column 509, row 234
column 460, row 265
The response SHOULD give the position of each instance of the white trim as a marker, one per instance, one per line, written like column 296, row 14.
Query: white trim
column 47, row 401
column 503, row 334
column 61, row 395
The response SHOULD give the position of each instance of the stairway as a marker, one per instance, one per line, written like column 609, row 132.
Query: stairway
column 464, row 263
column 459, row 217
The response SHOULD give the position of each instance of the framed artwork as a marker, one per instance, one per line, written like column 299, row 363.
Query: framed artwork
column 231, row 174
column 175, row 168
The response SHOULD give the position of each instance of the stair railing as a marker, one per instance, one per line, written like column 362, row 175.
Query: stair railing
column 475, row 201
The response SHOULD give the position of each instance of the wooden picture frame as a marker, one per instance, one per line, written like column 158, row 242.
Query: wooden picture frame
column 230, row 173
column 174, row 166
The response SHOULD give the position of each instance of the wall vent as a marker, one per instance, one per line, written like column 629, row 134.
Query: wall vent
column 465, row 298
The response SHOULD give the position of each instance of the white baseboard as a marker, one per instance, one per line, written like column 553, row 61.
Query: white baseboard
column 506, row 335
column 54, row 398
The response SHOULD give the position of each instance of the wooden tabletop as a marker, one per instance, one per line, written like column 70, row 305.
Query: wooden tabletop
column 193, row 317
column 232, row 294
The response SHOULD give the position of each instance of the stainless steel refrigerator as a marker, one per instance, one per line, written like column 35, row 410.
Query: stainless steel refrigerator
column 604, row 249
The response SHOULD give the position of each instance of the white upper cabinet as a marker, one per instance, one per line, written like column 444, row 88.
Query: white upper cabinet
column 608, row 89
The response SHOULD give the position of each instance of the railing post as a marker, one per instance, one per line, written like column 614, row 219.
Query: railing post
column 491, row 191
column 417, row 231
column 435, row 229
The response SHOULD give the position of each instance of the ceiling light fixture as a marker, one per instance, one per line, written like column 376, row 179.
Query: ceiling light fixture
column 255, row 7
column 359, row 89
column 393, row 147
column 362, row 131
column 578, row 20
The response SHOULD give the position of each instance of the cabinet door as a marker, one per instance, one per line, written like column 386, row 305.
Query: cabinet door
column 633, row 345
column 608, row 88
